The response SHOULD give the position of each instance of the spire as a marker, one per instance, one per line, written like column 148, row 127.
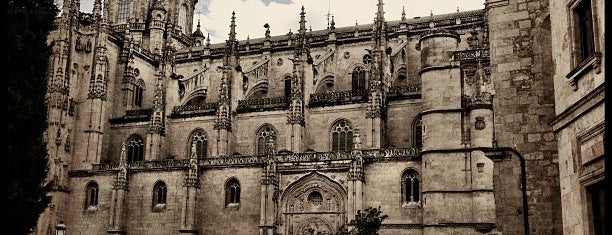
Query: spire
column 380, row 14
column 302, row 21
column 403, row 14
column 198, row 33
column 207, row 39
column 328, row 12
column 232, row 34
column 332, row 25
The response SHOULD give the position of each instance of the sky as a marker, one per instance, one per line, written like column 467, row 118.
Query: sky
column 283, row 15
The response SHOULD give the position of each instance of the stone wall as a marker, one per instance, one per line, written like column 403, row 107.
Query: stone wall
column 213, row 217
column 521, row 71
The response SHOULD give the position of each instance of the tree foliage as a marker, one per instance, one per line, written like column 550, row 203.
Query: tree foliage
column 367, row 222
column 28, row 24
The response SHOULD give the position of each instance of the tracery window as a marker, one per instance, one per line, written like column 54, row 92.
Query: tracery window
column 182, row 20
column 342, row 136
column 358, row 79
column 135, row 149
column 159, row 195
column 198, row 137
column 91, row 195
column 123, row 11
column 410, row 187
column 232, row 192
column 266, row 140
column 138, row 90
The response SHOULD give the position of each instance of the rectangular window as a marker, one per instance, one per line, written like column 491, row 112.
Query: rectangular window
column 584, row 30
column 596, row 206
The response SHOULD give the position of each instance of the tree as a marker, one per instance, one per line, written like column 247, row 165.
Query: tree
column 28, row 24
column 366, row 223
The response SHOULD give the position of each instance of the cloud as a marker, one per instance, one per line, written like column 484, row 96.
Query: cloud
column 283, row 15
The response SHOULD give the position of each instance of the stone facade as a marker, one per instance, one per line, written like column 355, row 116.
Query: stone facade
column 443, row 121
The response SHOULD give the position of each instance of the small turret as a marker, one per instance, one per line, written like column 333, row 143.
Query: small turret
column 157, row 26
column 198, row 36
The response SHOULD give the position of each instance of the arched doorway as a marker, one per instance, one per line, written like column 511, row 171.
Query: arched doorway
column 314, row 204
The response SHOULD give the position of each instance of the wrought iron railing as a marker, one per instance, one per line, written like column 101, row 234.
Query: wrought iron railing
column 338, row 98
column 263, row 104
column 205, row 109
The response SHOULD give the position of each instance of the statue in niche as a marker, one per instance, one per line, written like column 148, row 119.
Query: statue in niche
column 181, row 89
column 77, row 45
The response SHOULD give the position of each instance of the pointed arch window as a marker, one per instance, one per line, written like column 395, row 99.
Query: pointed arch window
column 135, row 149
column 266, row 140
column 91, row 195
column 418, row 133
column 123, row 11
column 138, row 91
column 159, row 196
column 198, row 137
column 287, row 87
column 358, row 79
column 410, row 187
column 232, row 193
column 342, row 136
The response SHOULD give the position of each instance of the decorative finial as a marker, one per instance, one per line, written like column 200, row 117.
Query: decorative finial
column 267, row 26
column 380, row 14
column 457, row 9
column 332, row 24
column 302, row 21
column 232, row 34
column 403, row 13
column 431, row 13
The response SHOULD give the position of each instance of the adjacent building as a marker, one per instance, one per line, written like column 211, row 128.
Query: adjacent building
column 579, row 81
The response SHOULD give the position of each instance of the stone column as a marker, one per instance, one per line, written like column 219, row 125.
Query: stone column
column 120, row 189
column 191, row 186
column 269, row 198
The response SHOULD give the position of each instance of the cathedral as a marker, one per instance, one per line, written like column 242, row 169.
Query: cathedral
column 441, row 121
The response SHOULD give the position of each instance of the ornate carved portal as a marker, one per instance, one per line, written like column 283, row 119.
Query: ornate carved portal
column 314, row 204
